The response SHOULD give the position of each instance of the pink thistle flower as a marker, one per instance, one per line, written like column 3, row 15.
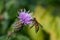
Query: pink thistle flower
column 25, row 17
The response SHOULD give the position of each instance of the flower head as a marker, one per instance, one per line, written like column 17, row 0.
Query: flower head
column 25, row 17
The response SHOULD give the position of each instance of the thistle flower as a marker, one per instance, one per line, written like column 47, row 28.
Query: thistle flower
column 25, row 17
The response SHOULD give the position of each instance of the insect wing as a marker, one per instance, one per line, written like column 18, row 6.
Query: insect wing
column 36, row 27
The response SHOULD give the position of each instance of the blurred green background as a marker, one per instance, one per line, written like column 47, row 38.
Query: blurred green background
column 47, row 13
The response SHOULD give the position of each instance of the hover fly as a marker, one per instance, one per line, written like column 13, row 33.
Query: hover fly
column 36, row 24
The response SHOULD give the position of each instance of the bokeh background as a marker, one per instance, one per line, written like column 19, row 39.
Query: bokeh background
column 47, row 13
